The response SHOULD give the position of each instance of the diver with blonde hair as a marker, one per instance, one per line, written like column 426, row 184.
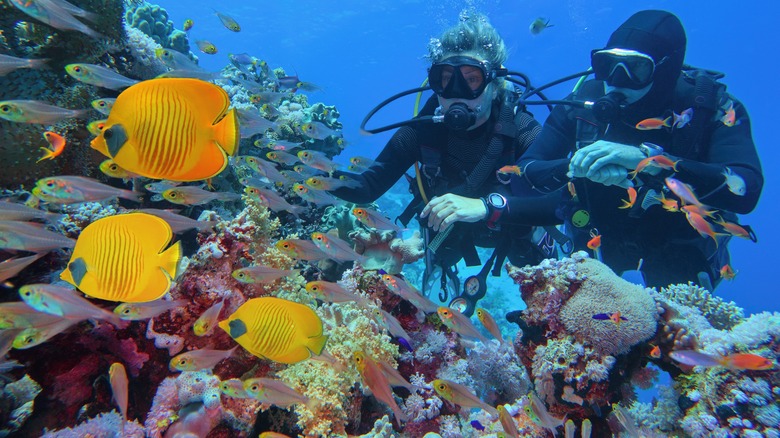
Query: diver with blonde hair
column 466, row 139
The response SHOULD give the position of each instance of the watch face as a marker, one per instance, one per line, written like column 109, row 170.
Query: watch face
column 496, row 200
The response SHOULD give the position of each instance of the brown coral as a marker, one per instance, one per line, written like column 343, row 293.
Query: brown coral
column 603, row 291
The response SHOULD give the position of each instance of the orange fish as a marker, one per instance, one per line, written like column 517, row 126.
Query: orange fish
column 655, row 353
column 660, row 161
column 506, row 170
column 654, row 123
column 631, row 199
column 730, row 117
column 701, row 225
column 727, row 272
column 669, row 204
column 56, row 144
column 595, row 242
column 572, row 190
column 701, row 210
column 736, row 230
column 747, row 361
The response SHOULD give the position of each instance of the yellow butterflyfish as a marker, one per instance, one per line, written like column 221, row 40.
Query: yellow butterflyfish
column 178, row 129
column 124, row 258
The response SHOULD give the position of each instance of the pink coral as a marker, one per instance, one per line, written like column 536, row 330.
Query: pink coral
column 385, row 251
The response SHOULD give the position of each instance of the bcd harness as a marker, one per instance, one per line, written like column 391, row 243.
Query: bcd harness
column 698, row 89
column 430, row 180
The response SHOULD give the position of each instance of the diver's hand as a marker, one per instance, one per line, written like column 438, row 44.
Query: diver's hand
column 589, row 160
column 443, row 211
column 611, row 175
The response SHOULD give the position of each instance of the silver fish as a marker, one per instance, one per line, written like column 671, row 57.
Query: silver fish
column 33, row 111
column 10, row 63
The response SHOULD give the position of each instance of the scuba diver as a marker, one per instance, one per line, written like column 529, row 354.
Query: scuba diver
column 467, row 139
column 644, row 102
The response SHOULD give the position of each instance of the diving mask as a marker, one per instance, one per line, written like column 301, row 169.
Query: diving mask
column 623, row 68
column 461, row 77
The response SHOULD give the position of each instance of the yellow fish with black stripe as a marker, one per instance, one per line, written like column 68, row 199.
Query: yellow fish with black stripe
column 281, row 330
column 171, row 128
column 124, row 258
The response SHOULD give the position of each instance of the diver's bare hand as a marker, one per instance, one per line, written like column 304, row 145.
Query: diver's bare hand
column 443, row 211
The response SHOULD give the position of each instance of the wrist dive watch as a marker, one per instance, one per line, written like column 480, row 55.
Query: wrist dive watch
column 496, row 204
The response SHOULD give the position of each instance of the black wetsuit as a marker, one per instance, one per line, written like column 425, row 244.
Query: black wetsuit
column 459, row 153
column 672, row 251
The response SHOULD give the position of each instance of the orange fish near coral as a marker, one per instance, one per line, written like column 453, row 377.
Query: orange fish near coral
column 56, row 144
column 737, row 361
column 655, row 353
column 171, row 128
column 595, row 242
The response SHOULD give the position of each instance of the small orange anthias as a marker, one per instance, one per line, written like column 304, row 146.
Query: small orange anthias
column 56, row 143
column 727, row 272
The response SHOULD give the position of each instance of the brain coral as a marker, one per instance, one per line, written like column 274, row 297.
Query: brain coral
column 604, row 292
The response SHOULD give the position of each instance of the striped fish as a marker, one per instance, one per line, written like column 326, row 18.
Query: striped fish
column 121, row 258
column 171, row 128
column 281, row 330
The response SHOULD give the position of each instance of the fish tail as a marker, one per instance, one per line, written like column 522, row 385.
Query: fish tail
column 38, row 63
column 130, row 195
column 47, row 155
column 170, row 259
column 227, row 133
column 668, row 120
column 317, row 344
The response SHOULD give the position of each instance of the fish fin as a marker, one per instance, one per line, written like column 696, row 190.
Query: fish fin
column 227, row 132
column 115, row 137
column 317, row 344
column 131, row 195
column 213, row 161
column 170, row 259
column 78, row 270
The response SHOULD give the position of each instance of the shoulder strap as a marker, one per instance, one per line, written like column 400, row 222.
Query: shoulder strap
column 704, row 97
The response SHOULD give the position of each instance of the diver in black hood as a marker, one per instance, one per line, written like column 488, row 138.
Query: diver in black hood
column 643, row 103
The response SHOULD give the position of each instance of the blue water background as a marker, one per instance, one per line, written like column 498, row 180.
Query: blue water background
column 362, row 52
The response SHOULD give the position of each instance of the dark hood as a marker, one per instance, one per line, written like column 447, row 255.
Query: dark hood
column 661, row 35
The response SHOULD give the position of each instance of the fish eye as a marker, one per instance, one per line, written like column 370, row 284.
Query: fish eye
column 240, row 275
column 102, row 103
column 28, row 340
column 77, row 69
column 114, row 167
column 172, row 194
column 49, row 184
column 253, row 388
column 5, row 108
column 126, row 311
column 108, row 133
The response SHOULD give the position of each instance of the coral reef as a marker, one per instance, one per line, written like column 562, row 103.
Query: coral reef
column 17, row 403
column 386, row 251
column 153, row 21
column 720, row 314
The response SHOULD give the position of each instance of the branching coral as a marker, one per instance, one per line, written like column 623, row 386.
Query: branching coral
column 721, row 315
